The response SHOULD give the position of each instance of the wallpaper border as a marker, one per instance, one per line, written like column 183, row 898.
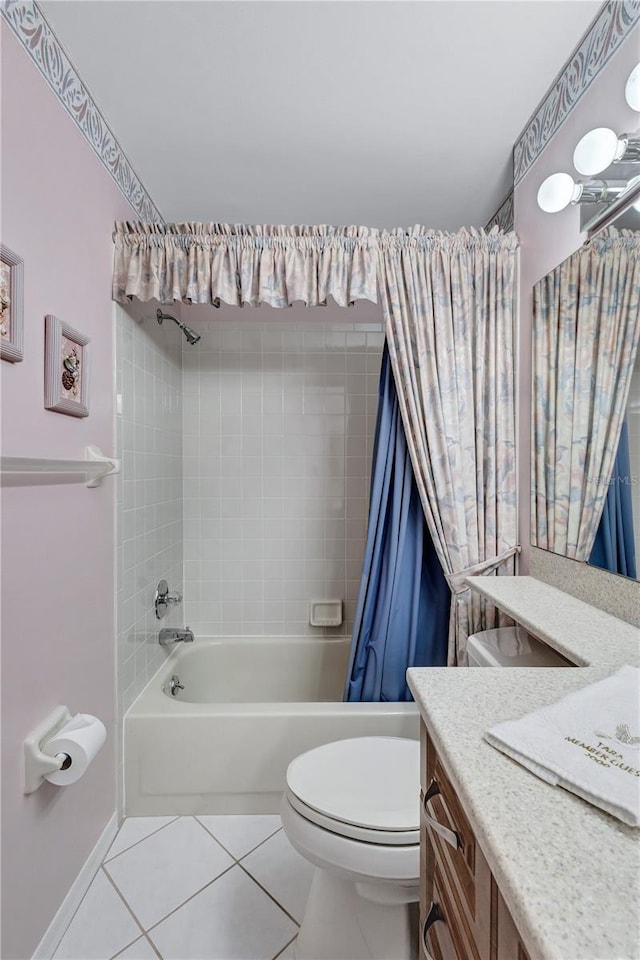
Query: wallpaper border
column 610, row 28
column 29, row 25
column 503, row 217
column 612, row 25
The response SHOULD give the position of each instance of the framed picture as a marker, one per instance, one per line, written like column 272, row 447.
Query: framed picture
column 11, row 292
column 66, row 368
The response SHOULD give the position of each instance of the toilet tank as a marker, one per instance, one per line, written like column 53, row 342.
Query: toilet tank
column 511, row 647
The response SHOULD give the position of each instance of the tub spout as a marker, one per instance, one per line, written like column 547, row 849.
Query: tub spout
column 173, row 635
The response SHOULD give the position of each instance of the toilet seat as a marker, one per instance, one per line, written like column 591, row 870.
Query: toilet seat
column 350, row 830
column 365, row 789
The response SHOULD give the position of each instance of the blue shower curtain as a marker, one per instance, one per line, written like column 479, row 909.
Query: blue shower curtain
column 402, row 618
column 613, row 548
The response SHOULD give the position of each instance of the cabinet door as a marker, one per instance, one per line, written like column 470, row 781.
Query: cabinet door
column 462, row 914
column 439, row 931
column 442, row 935
column 463, row 866
column 507, row 945
column 426, row 863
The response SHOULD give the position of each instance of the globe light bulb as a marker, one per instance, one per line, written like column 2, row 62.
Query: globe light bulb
column 632, row 89
column 557, row 192
column 597, row 150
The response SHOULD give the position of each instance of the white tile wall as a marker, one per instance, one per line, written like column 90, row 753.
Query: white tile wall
column 278, row 419
column 149, row 490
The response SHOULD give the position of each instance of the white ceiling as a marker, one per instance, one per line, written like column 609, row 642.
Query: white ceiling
column 326, row 111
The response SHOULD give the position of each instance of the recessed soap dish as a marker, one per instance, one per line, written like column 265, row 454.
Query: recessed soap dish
column 325, row 613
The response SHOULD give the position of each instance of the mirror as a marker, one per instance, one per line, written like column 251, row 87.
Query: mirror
column 624, row 176
column 586, row 402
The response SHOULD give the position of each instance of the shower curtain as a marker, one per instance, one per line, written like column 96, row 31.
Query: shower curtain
column 586, row 330
column 614, row 547
column 448, row 302
column 402, row 617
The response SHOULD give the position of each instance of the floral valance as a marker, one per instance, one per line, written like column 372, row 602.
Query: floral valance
column 276, row 265
column 471, row 239
column 212, row 262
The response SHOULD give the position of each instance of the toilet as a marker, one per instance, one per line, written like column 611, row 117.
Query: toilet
column 511, row 647
column 352, row 808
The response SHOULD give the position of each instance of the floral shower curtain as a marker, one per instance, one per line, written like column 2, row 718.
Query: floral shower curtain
column 585, row 337
column 448, row 303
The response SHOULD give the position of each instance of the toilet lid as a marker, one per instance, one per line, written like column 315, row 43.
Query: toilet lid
column 370, row 782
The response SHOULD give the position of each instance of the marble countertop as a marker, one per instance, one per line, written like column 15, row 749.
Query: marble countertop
column 569, row 873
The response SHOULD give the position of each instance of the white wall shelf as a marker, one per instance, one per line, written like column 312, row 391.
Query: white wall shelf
column 93, row 468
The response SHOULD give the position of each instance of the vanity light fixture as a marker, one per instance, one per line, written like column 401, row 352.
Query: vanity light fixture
column 601, row 147
column 560, row 190
column 595, row 153
column 632, row 89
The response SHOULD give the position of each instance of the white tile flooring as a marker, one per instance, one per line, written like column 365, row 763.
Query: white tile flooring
column 186, row 888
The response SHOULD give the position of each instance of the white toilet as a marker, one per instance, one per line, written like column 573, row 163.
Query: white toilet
column 511, row 647
column 352, row 808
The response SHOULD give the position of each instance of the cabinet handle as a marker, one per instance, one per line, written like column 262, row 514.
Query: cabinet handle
column 450, row 836
column 435, row 914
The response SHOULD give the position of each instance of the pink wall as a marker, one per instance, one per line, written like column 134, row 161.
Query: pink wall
column 547, row 239
column 58, row 643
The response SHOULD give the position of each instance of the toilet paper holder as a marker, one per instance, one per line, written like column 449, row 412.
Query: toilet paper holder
column 36, row 763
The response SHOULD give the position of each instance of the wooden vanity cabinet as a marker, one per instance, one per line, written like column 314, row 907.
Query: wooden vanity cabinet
column 462, row 914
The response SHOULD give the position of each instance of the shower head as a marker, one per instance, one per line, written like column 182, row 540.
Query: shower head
column 191, row 335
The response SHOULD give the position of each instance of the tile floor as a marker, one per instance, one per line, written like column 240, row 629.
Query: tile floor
column 185, row 888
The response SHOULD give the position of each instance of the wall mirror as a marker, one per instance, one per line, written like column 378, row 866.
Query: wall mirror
column 585, row 450
column 622, row 177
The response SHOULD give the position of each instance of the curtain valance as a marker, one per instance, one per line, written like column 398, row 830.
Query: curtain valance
column 276, row 265
column 425, row 240
column 238, row 264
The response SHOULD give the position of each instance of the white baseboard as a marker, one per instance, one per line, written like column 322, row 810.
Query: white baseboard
column 62, row 919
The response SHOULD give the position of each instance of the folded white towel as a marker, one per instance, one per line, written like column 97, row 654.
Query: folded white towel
column 588, row 743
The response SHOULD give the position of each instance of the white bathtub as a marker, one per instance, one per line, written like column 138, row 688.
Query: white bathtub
column 249, row 706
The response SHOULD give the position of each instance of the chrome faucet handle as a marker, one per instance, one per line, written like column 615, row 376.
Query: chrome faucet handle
column 163, row 598
column 174, row 685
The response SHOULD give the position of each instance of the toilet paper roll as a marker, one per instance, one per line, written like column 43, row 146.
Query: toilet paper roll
column 79, row 739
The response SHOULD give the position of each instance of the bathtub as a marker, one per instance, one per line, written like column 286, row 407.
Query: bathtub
column 249, row 706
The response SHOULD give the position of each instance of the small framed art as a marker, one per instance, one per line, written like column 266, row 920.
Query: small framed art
column 66, row 368
column 11, row 292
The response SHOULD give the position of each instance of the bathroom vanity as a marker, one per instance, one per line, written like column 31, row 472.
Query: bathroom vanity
column 513, row 868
